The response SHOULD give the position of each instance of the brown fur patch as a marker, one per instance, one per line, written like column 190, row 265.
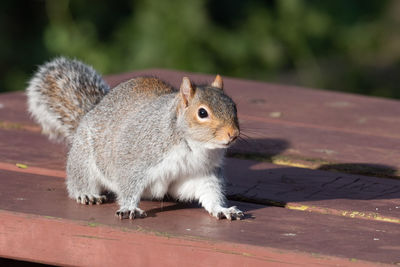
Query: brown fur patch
column 61, row 105
column 150, row 86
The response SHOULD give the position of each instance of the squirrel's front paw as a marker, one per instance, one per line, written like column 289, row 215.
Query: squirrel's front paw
column 123, row 213
column 232, row 213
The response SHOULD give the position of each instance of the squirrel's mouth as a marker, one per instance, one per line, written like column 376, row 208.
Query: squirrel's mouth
column 223, row 144
column 227, row 143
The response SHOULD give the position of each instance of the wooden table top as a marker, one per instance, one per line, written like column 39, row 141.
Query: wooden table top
column 318, row 179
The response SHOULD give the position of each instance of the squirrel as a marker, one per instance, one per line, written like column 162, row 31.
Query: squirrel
column 142, row 139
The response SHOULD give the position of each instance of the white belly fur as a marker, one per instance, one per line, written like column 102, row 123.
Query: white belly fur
column 182, row 162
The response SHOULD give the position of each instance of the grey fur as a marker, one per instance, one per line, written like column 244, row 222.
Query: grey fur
column 60, row 93
column 139, row 141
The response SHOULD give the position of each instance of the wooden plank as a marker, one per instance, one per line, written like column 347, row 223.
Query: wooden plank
column 13, row 108
column 353, row 196
column 64, row 242
column 322, row 148
column 66, row 231
column 32, row 149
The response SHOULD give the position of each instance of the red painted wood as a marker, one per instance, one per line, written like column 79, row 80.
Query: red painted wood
column 266, row 182
column 281, row 120
column 13, row 107
column 32, row 149
column 255, row 181
column 264, row 228
column 65, row 242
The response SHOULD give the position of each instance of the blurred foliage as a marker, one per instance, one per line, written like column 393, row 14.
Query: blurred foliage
column 351, row 46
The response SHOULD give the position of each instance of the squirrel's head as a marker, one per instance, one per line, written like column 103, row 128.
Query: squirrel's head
column 209, row 113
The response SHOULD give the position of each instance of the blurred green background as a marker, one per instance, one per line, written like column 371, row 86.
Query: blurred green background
column 351, row 46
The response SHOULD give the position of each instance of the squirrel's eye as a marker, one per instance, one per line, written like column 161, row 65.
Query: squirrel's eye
column 203, row 113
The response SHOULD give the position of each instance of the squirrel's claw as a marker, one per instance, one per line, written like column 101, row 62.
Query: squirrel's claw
column 88, row 199
column 232, row 213
column 130, row 213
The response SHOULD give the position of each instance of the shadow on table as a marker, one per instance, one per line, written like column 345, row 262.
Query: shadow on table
column 263, row 183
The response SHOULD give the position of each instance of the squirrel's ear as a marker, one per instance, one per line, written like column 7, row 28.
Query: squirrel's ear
column 187, row 91
column 218, row 83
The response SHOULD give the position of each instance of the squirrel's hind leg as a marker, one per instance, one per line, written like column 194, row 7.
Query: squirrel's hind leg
column 131, row 188
column 85, row 191
column 83, row 181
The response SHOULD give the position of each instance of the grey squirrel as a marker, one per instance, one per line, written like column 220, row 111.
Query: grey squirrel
column 142, row 139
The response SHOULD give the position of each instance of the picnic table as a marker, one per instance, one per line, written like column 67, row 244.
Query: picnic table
column 317, row 177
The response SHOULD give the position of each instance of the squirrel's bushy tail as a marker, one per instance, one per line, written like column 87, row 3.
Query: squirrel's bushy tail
column 60, row 93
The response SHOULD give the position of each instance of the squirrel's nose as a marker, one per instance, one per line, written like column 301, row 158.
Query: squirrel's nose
column 233, row 135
